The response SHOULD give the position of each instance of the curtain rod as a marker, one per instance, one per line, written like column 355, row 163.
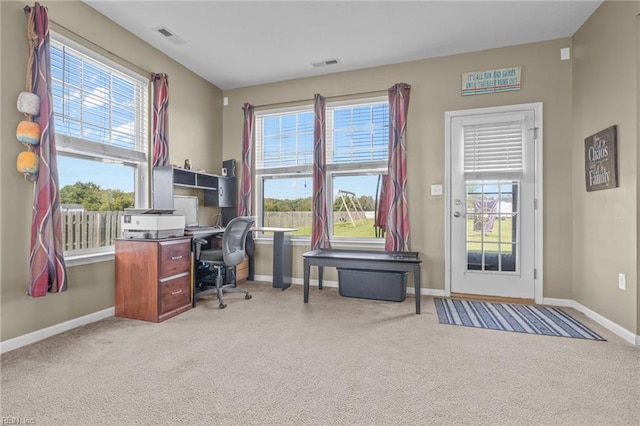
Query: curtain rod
column 328, row 98
column 117, row 58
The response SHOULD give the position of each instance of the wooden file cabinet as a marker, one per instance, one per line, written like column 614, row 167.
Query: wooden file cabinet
column 153, row 278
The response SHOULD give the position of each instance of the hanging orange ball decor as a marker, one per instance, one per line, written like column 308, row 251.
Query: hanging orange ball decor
column 28, row 163
column 28, row 133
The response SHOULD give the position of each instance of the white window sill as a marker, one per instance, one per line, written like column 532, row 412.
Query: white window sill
column 71, row 260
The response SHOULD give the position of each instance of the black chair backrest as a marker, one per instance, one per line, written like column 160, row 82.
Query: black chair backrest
column 234, row 238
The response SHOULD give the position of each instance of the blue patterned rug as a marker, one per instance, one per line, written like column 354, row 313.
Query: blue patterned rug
column 511, row 317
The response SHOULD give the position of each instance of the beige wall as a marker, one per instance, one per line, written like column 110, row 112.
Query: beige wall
column 195, row 111
column 435, row 89
column 605, row 223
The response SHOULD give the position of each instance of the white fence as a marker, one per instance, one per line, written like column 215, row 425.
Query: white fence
column 83, row 229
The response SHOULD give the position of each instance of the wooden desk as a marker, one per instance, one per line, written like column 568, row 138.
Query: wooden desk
column 362, row 259
column 204, row 232
column 282, row 255
column 282, row 252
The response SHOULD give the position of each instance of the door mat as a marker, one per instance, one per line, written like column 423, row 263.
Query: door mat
column 530, row 319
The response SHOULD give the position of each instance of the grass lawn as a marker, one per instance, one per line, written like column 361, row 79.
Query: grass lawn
column 474, row 238
column 363, row 229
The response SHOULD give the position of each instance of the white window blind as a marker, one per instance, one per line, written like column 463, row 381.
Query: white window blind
column 98, row 104
column 493, row 148
column 284, row 140
column 357, row 133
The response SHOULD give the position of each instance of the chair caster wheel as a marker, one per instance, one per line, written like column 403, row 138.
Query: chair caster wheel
column 222, row 306
column 247, row 296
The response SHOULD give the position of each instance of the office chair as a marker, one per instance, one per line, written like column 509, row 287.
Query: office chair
column 231, row 254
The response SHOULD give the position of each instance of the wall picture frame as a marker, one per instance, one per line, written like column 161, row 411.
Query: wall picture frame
column 601, row 160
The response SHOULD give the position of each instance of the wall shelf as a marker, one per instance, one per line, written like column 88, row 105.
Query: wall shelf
column 219, row 191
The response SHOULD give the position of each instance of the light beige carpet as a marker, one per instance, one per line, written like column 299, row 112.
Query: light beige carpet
column 273, row 360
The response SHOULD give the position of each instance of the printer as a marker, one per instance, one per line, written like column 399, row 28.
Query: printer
column 151, row 224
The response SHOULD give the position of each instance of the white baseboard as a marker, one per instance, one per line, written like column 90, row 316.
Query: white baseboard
column 27, row 339
column 605, row 322
column 427, row 292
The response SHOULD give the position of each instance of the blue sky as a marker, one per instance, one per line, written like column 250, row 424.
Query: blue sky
column 107, row 176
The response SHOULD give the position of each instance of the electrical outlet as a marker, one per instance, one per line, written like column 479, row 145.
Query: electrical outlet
column 436, row 190
column 622, row 281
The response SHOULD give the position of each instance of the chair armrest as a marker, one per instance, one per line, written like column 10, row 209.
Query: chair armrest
column 200, row 241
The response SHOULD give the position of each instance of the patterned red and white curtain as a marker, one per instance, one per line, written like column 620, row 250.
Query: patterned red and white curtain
column 320, row 225
column 245, row 205
column 160, row 130
column 46, row 261
column 397, row 232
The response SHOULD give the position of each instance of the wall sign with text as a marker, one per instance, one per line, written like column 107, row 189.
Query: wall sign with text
column 601, row 160
column 491, row 81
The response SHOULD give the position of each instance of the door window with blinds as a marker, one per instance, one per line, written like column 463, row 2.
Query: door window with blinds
column 101, row 124
column 357, row 138
column 493, row 168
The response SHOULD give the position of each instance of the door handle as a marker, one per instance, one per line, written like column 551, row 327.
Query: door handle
column 457, row 214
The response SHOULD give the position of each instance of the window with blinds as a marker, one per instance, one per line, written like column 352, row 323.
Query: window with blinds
column 101, row 120
column 357, row 149
column 96, row 103
column 495, row 148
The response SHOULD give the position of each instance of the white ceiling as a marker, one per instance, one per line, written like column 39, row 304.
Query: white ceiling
column 243, row 43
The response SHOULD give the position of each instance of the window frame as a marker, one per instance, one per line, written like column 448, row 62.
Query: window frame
column 373, row 167
column 138, row 158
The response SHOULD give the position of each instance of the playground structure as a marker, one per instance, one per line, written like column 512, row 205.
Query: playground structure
column 351, row 206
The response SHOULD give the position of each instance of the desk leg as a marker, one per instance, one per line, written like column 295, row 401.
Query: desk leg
column 193, row 279
column 281, row 260
column 320, row 271
column 250, row 250
column 306, row 273
column 416, row 287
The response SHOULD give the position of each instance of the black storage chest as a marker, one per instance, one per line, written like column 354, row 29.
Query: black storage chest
column 377, row 285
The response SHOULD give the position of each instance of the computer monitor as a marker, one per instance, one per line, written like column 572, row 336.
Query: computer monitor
column 186, row 206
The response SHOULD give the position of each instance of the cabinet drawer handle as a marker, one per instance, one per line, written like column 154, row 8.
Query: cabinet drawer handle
column 176, row 257
column 173, row 293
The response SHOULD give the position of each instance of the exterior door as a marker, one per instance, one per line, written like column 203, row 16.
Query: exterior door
column 492, row 202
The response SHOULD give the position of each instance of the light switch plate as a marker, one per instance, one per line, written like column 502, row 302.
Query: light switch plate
column 436, row 189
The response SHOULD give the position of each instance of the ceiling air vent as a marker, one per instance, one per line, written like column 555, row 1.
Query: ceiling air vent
column 325, row 63
column 170, row 35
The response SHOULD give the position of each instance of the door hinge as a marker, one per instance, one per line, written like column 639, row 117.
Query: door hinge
column 535, row 133
column 535, row 204
column 535, row 274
